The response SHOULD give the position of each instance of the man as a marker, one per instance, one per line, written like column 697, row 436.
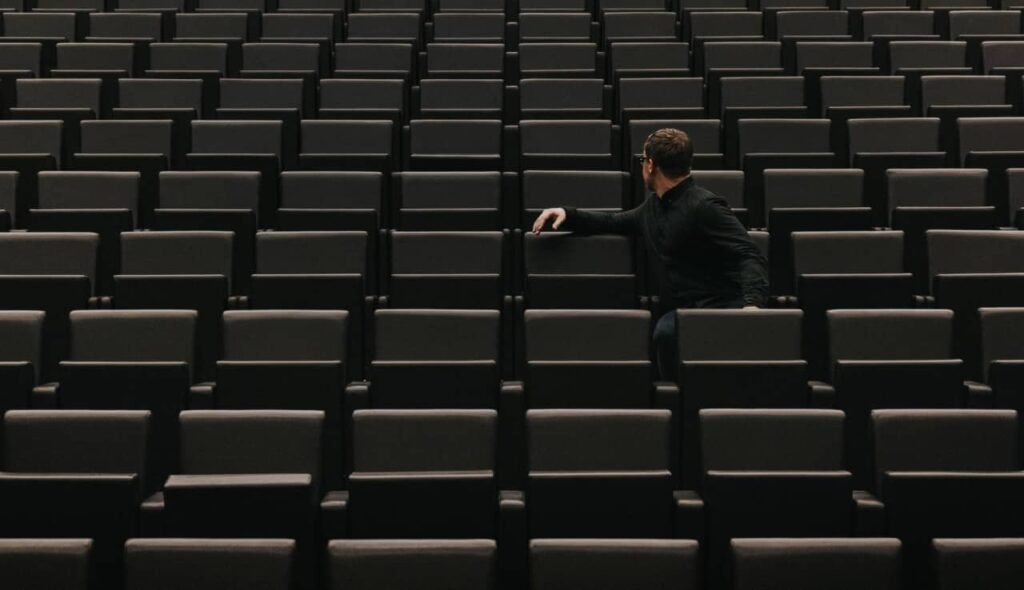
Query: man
column 702, row 255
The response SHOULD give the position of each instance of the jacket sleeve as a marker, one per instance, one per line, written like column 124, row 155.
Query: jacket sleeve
column 603, row 222
column 728, row 234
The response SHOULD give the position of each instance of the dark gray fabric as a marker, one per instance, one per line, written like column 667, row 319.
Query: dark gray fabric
column 291, row 335
column 1001, row 328
column 990, row 134
column 45, row 563
column 847, row 252
column 727, row 184
column 446, row 252
column 208, row 564
column 36, row 25
column 634, row 25
column 261, row 94
column 32, row 137
column 21, row 337
column 639, row 56
column 563, row 253
column 119, row 335
column 283, row 26
column 424, row 335
column 598, row 440
column 742, row 54
column 209, row 190
column 539, row 26
column 450, row 189
column 585, row 190
column 926, row 54
column 739, row 335
column 237, row 137
column 53, row 93
column 762, row 91
column 565, row 137
column 412, row 564
column 920, row 134
column 113, row 25
column 176, row 252
column 775, row 136
column 838, row 91
column 210, row 26
column 361, row 94
column 455, row 138
column 660, row 92
column 890, row 334
column 974, row 251
column 281, row 56
column 383, row 26
column 189, row 56
column 308, row 252
column 965, row 564
column 424, row 440
column 605, row 564
column 887, row 22
column 770, row 440
column 331, row 190
column 726, row 24
column 812, row 22
column 251, row 441
column 552, row 93
column 89, row 190
column 156, row 93
column 76, row 441
column 43, row 253
column 96, row 56
column 466, row 57
column 962, row 90
column 468, row 27
column 600, row 335
column 128, row 137
column 462, row 94
column 22, row 56
column 813, row 188
column 1002, row 54
column 535, row 57
column 346, row 137
column 805, row 564
column 951, row 187
column 397, row 57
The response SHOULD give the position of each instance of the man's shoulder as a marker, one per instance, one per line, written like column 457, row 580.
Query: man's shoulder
column 701, row 196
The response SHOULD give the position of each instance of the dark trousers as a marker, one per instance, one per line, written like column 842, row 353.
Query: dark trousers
column 666, row 339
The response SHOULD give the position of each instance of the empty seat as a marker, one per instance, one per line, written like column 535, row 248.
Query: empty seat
column 49, row 563
column 991, row 143
column 121, row 27
column 453, row 475
column 203, row 563
column 287, row 60
column 57, row 460
column 803, row 563
column 645, row 59
column 334, row 200
column 619, row 486
column 49, row 272
column 562, row 99
column 373, row 60
column 358, row 99
column 913, row 369
column 908, row 57
column 21, row 357
column 472, row 144
column 660, row 98
column 566, row 271
column 718, row 369
column 454, row 270
column 1001, row 355
column 461, row 99
column 772, row 473
column 561, row 60
column 568, row 145
column 452, row 564
column 962, row 563
column 106, row 203
column 588, row 359
column 365, row 145
column 640, row 26
column 969, row 269
column 465, row 60
column 445, row 201
column 640, row 564
column 548, row 27
column 179, row 270
column 469, row 27
column 968, row 462
column 384, row 28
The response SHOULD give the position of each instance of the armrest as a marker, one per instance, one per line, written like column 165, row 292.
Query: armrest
column 666, row 397
column 870, row 514
column 151, row 514
column 689, row 515
column 200, row 396
column 44, row 397
column 357, row 397
column 513, row 538
column 924, row 301
column 334, row 514
column 822, row 395
column 238, row 302
column 511, row 435
column 979, row 395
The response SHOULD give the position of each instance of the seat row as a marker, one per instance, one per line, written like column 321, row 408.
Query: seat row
column 161, row 360
column 766, row 473
column 799, row 564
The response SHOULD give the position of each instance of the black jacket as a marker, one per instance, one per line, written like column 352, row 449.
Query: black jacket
column 706, row 256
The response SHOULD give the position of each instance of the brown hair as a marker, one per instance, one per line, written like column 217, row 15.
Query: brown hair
column 671, row 151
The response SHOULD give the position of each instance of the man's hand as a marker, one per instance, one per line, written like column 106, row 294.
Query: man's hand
column 556, row 216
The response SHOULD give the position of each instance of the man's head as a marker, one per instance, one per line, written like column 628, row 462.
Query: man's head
column 666, row 158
